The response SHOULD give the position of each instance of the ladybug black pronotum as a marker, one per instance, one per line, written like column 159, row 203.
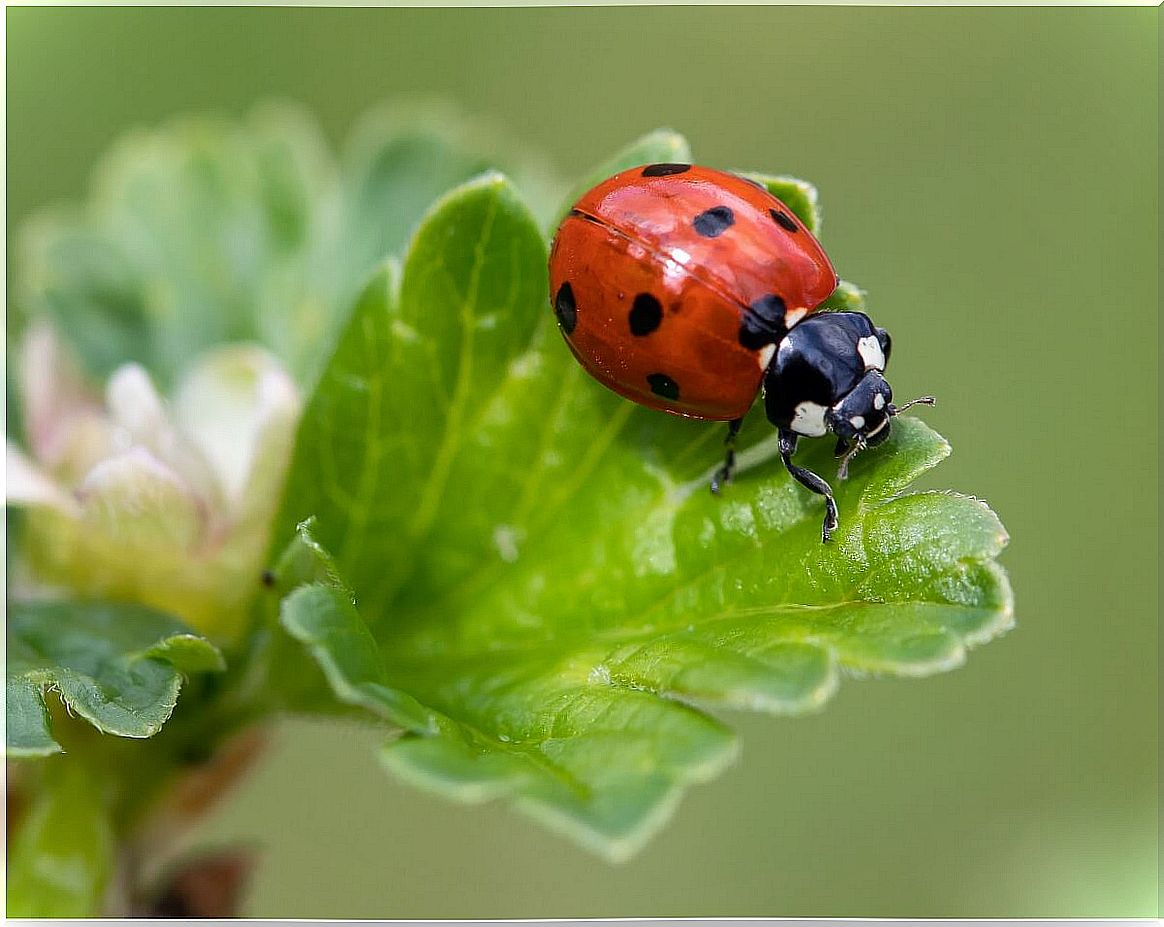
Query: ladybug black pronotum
column 687, row 289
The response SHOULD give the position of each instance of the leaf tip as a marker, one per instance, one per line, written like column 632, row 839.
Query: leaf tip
column 614, row 847
column 1004, row 613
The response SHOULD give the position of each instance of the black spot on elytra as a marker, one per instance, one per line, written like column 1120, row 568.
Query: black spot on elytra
column 565, row 309
column 663, row 385
column 783, row 220
column 645, row 315
column 714, row 221
column 763, row 322
column 664, row 170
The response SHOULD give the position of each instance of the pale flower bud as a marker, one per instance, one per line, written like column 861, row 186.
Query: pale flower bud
column 166, row 503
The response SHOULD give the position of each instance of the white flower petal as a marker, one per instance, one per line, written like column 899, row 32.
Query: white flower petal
column 240, row 406
column 135, row 405
column 62, row 414
column 25, row 484
column 142, row 419
column 139, row 502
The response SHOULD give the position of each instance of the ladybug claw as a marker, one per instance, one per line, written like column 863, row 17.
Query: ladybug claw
column 831, row 520
column 724, row 473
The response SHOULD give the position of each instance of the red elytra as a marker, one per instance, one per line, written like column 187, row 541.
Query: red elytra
column 657, row 273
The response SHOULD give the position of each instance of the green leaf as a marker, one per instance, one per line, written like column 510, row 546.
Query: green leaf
column 325, row 619
column 798, row 195
column 543, row 566
column 61, row 856
column 118, row 666
column 567, row 670
column 605, row 769
column 661, row 146
column 379, row 438
column 305, row 561
column 328, row 647
column 26, row 720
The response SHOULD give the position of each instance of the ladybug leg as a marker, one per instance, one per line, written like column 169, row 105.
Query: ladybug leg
column 810, row 480
column 724, row 473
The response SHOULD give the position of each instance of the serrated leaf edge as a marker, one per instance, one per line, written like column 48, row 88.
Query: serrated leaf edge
column 44, row 681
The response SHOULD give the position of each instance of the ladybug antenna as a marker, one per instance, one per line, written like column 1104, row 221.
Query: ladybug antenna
column 922, row 400
column 854, row 449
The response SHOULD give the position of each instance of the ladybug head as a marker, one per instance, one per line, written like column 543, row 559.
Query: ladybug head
column 863, row 414
column 861, row 418
column 828, row 374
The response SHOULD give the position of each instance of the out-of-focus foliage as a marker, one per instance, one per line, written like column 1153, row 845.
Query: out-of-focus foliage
column 63, row 853
column 205, row 231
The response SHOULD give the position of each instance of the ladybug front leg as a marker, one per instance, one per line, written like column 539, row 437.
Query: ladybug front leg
column 810, row 480
column 724, row 473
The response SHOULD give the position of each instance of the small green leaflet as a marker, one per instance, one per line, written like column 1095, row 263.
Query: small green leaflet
column 118, row 666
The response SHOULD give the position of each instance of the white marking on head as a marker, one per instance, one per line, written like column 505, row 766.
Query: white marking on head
column 878, row 401
column 870, row 350
column 857, row 421
column 809, row 420
column 792, row 316
column 765, row 356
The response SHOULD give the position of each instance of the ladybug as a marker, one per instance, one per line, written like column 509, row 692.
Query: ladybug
column 687, row 289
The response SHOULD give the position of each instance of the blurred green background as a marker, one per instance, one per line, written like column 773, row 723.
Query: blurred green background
column 991, row 177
